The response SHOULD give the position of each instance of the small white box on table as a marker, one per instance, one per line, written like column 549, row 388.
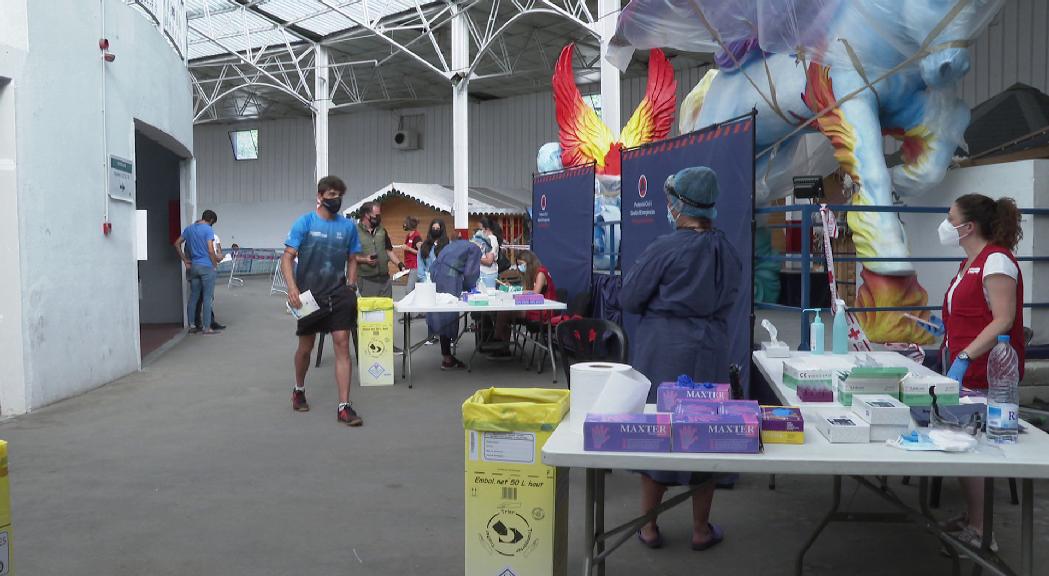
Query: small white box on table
column 842, row 427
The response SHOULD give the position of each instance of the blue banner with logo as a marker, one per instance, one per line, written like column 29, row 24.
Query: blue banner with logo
column 563, row 226
column 728, row 149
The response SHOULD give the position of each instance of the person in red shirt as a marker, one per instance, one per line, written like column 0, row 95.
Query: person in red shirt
column 537, row 279
column 411, row 249
column 983, row 300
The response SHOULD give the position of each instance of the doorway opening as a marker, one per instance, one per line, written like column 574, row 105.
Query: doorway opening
column 157, row 192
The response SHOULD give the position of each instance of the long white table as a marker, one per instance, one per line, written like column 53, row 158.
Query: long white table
column 406, row 308
column 1027, row 460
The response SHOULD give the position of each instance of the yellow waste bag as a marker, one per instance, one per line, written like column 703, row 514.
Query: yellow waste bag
column 508, row 409
column 375, row 341
column 516, row 506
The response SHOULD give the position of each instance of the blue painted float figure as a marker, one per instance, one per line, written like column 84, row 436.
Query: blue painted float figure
column 849, row 70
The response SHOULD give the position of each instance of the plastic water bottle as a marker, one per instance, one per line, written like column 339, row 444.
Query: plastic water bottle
column 1003, row 393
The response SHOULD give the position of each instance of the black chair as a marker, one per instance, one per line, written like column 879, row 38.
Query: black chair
column 590, row 340
column 535, row 332
column 580, row 305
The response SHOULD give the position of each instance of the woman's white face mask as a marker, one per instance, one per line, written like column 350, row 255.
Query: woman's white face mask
column 949, row 235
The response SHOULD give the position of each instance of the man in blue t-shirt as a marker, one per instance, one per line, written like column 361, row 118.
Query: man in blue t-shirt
column 196, row 249
column 325, row 243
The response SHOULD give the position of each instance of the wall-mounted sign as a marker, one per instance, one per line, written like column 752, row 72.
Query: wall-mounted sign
column 121, row 179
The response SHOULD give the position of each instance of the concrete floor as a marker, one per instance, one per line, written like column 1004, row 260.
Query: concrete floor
column 197, row 465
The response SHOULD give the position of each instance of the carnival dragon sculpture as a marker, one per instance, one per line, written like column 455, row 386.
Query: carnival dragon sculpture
column 851, row 70
column 584, row 138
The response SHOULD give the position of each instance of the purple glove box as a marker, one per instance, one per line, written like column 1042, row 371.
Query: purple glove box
column 669, row 394
column 627, row 432
column 722, row 433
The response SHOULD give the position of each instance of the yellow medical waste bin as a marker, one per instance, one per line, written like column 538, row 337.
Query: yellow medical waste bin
column 375, row 341
column 6, row 567
column 516, row 506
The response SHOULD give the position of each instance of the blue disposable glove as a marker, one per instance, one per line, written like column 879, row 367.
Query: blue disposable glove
column 935, row 326
column 958, row 368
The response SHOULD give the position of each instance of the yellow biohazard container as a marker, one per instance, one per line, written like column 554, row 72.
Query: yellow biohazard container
column 516, row 506
column 6, row 567
column 375, row 341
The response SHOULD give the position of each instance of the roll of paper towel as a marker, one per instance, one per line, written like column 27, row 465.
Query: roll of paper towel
column 605, row 388
column 425, row 294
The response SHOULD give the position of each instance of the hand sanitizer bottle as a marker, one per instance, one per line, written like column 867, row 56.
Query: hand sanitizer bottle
column 840, row 334
column 816, row 343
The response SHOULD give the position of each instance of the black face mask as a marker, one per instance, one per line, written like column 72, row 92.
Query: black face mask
column 332, row 204
column 435, row 234
column 375, row 220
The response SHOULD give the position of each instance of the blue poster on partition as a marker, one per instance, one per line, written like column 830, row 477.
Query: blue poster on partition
column 728, row 149
column 563, row 226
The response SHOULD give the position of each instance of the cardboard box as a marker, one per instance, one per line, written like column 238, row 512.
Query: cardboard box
column 529, row 298
column 843, row 428
column 914, row 390
column 516, row 507
column 782, row 425
column 6, row 533
column 868, row 380
column 746, row 407
column 881, row 409
column 724, row 433
column 375, row 341
column 812, row 382
column 627, row 432
column 670, row 393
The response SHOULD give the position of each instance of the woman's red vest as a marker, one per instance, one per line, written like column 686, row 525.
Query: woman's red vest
column 970, row 314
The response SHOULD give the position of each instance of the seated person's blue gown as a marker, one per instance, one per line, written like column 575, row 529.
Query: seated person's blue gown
column 455, row 271
column 683, row 286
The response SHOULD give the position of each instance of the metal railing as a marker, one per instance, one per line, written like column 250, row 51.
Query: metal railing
column 806, row 257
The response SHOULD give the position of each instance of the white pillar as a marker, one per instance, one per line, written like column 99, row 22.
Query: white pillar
column 460, row 118
column 606, row 27
column 320, row 117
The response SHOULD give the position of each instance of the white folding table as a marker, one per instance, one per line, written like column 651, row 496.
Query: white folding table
column 1026, row 461
column 406, row 309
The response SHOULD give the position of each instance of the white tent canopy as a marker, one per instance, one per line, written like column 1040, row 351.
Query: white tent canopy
column 483, row 201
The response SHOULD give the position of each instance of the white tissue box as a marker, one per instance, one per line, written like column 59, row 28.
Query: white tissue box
column 884, row 433
column 843, row 428
column 776, row 349
column 881, row 410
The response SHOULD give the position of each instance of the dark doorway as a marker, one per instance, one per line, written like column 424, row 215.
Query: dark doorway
column 157, row 185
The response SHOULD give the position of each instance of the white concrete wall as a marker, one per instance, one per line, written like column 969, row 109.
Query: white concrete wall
column 1028, row 183
column 75, row 281
column 14, row 43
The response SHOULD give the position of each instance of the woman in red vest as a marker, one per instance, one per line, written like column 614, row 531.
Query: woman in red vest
column 984, row 299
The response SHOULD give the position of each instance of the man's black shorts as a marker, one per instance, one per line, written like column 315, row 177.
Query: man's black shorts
column 338, row 312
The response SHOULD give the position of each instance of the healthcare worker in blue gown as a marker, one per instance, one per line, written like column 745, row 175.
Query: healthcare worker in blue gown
column 684, row 286
column 456, row 270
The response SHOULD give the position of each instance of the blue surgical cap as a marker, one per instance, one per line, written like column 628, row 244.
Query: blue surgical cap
column 694, row 191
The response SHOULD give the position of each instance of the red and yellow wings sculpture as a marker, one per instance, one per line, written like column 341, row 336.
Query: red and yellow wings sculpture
column 585, row 138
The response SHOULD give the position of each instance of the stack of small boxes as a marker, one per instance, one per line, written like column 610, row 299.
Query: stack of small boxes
column 873, row 418
column 695, row 417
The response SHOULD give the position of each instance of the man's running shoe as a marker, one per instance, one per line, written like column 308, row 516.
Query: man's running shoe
column 298, row 400
column 348, row 416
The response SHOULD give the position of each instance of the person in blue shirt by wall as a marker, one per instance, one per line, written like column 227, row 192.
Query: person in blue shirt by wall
column 196, row 249
column 326, row 245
